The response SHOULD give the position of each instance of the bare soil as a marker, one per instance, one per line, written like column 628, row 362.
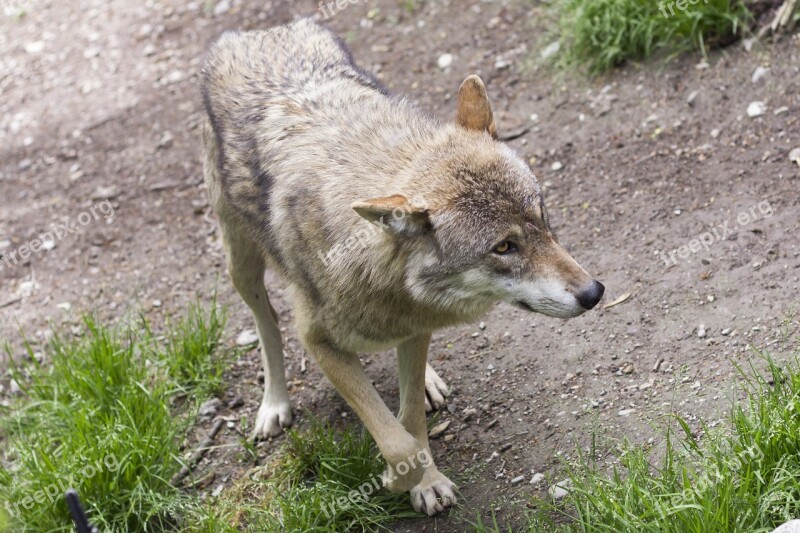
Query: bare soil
column 100, row 100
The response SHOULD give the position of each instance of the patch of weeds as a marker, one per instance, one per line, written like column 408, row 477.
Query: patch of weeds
column 96, row 416
column 602, row 34
column 323, row 480
column 741, row 479
column 188, row 347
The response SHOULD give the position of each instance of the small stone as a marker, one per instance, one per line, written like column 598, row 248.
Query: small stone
column 445, row 60
column 701, row 331
column 145, row 31
column 25, row 164
column 469, row 413
column 210, row 407
column 794, row 156
column 560, row 490
column 105, row 192
column 726, row 332
column 626, row 412
column 759, row 73
column 14, row 387
column 165, row 141
column 449, row 438
column 156, row 303
column 221, row 8
column 247, row 338
column 437, row 430
column 756, row 109
column 34, row 47
column 518, row 479
column 48, row 245
column 150, row 50
column 501, row 63
column 551, row 49
column 91, row 52
column 537, row 478
column 627, row 369
column 558, row 165
column 482, row 326
column 715, row 133
column 692, row 97
column 175, row 76
column 781, row 110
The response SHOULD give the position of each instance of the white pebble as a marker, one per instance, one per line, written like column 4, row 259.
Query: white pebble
column 445, row 60
column 756, row 109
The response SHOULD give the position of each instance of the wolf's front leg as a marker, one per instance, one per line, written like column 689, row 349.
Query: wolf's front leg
column 436, row 390
column 435, row 492
column 398, row 447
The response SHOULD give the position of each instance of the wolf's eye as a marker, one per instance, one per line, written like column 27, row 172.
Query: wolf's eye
column 505, row 247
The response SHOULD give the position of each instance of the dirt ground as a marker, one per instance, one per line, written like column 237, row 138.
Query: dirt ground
column 99, row 100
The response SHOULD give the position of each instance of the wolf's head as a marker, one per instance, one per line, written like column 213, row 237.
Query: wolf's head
column 475, row 226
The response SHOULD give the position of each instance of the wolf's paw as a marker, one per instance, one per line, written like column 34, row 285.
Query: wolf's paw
column 434, row 494
column 272, row 418
column 435, row 390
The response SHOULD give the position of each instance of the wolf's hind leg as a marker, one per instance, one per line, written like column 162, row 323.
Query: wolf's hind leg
column 246, row 267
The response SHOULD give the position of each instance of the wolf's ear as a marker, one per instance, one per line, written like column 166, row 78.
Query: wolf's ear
column 395, row 214
column 474, row 109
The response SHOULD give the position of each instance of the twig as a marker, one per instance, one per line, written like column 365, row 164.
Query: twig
column 198, row 453
column 11, row 301
column 784, row 18
column 473, row 356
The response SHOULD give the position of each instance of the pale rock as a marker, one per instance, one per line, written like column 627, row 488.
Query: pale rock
column 247, row 337
column 759, row 74
column 551, row 49
column 445, row 60
column 756, row 109
column 560, row 490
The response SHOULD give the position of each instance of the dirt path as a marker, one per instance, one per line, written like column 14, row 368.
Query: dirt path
column 99, row 100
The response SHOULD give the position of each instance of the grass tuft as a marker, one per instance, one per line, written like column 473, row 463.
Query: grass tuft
column 318, row 484
column 96, row 417
column 603, row 34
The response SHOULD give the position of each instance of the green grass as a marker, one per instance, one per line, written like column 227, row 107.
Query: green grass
column 317, row 484
column 602, row 34
column 106, row 414
column 742, row 478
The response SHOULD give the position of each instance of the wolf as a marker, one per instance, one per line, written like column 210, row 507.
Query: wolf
column 385, row 223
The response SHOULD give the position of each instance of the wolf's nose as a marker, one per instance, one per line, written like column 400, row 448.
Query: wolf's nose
column 589, row 297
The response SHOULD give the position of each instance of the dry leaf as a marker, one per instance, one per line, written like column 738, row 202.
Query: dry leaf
column 618, row 301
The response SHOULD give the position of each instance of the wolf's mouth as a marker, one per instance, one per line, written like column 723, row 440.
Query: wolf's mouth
column 522, row 305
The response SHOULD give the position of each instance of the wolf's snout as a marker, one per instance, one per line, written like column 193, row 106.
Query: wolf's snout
column 590, row 296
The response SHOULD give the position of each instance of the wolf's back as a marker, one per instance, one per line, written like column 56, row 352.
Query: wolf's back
column 247, row 69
